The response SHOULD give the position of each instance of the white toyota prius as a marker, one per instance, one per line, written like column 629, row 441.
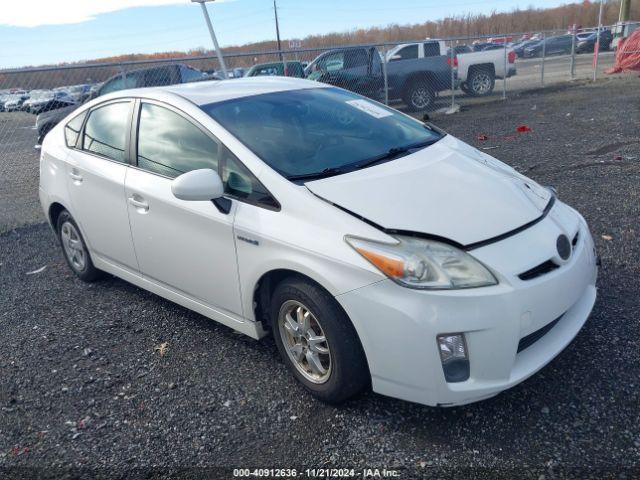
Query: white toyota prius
column 378, row 250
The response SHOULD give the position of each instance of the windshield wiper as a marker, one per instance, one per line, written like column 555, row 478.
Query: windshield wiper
column 390, row 154
column 327, row 172
column 394, row 153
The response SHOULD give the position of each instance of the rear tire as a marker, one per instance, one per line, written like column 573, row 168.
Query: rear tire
column 302, row 315
column 480, row 82
column 75, row 250
column 419, row 96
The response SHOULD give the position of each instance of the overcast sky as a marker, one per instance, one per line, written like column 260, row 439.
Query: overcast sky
column 36, row 32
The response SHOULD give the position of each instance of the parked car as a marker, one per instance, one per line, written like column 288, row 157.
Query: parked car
column 3, row 98
column 46, row 100
column 519, row 47
column 93, row 90
column 415, row 81
column 560, row 45
column 410, row 261
column 583, row 35
column 282, row 69
column 476, row 71
column 480, row 46
column 79, row 93
column 493, row 46
column 587, row 43
column 14, row 101
column 147, row 77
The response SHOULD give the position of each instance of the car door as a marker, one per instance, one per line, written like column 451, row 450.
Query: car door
column 563, row 45
column 354, row 70
column 96, row 170
column 554, row 47
column 185, row 246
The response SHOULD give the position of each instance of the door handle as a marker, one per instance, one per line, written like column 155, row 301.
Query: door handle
column 76, row 177
column 138, row 202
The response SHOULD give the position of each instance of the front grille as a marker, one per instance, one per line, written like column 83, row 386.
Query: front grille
column 538, row 271
column 526, row 342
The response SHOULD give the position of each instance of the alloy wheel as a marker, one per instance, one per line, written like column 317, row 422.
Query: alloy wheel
column 481, row 83
column 420, row 98
column 304, row 341
column 73, row 247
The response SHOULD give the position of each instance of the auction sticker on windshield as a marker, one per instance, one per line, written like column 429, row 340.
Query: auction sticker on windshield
column 370, row 108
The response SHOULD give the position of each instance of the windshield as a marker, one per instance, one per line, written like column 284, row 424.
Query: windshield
column 320, row 131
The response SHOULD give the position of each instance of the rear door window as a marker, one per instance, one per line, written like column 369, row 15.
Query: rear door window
column 431, row 49
column 156, row 77
column 355, row 58
column 190, row 74
column 107, row 129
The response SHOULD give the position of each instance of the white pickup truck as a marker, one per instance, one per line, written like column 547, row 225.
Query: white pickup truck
column 476, row 71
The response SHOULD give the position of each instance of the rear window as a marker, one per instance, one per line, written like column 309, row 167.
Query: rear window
column 431, row 49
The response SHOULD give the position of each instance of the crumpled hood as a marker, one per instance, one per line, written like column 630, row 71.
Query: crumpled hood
column 449, row 189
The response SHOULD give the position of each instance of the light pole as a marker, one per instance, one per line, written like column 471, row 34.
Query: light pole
column 596, row 47
column 205, row 12
column 275, row 11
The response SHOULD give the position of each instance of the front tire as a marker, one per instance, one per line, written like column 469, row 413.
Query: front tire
column 317, row 341
column 74, row 249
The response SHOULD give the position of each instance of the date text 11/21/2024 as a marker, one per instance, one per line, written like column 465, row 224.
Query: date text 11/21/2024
column 316, row 473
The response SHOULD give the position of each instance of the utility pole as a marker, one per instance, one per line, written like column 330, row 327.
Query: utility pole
column 625, row 10
column 622, row 27
column 596, row 47
column 213, row 35
column 275, row 11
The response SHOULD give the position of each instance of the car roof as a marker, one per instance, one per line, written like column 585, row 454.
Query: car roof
column 213, row 91
column 275, row 64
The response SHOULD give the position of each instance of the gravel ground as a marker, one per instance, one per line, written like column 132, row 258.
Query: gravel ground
column 18, row 171
column 83, row 382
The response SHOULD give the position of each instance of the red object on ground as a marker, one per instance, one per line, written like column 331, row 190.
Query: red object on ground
column 523, row 129
column 628, row 54
column 482, row 137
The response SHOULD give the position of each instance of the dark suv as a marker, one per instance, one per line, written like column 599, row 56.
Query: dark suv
column 560, row 45
column 147, row 77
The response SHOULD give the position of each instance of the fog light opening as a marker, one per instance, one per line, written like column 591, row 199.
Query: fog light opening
column 454, row 357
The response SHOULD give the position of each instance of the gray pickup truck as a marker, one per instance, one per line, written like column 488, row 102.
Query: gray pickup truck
column 359, row 69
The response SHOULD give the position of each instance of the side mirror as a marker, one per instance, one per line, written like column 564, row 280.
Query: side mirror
column 202, row 184
column 397, row 56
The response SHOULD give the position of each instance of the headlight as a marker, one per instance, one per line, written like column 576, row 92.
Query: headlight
column 424, row 264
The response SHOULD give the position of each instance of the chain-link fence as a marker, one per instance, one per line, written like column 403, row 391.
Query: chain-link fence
column 424, row 75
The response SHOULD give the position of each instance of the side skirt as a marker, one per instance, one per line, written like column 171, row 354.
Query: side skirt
column 252, row 329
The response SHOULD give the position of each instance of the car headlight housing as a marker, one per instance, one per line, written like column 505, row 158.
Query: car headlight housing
column 424, row 264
